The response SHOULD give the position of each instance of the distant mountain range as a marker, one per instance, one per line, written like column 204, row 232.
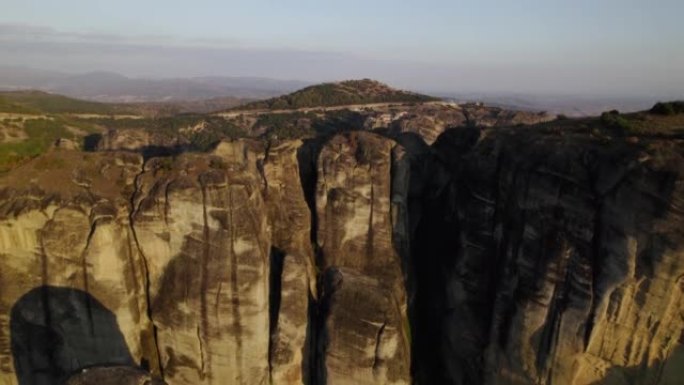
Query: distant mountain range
column 117, row 88
column 212, row 93
column 569, row 105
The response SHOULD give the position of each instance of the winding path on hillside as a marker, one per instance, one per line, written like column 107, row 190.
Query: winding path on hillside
column 353, row 107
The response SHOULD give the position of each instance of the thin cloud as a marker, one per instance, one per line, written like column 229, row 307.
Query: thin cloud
column 168, row 56
column 25, row 33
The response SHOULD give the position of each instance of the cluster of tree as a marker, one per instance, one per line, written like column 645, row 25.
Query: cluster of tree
column 668, row 108
column 287, row 126
column 206, row 139
column 213, row 128
column 339, row 94
column 613, row 119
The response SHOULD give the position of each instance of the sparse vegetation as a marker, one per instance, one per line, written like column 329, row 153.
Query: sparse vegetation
column 27, row 130
column 41, row 134
column 201, row 131
column 286, row 126
column 613, row 119
column 30, row 102
column 206, row 139
column 336, row 121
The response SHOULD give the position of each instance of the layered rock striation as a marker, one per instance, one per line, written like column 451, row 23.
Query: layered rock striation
column 492, row 256
column 550, row 258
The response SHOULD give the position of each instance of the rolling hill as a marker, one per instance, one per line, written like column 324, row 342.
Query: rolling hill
column 348, row 92
column 112, row 87
column 39, row 102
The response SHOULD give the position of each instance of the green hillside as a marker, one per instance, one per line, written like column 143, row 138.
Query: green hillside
column 38, row 102
column 349, row 92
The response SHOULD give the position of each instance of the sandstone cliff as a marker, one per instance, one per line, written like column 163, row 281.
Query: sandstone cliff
column 492, row 256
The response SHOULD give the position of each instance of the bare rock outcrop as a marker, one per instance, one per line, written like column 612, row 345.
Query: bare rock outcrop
column 364, row 301
column 149, row 143
column 551, row 259
column 71, row 276
column 201, row 226
column 292, row 262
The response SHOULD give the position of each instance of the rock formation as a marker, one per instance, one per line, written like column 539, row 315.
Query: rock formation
column 550, row 258
column 491, row 256
column 363, row 337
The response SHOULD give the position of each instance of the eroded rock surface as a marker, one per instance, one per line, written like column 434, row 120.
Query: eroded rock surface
column 504, row 256
column 73, row 292
column 201, row 225
column 293, row 276
column 550, row 259
column 363, row 336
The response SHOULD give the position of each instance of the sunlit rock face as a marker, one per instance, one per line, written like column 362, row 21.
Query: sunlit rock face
column 293, row 273
column 363, row 333
column 72, row 278
column 489, row 257
column 201, row 224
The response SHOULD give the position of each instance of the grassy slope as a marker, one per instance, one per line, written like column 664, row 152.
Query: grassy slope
column 41, row 133
column 51, row 121
column 39, row 102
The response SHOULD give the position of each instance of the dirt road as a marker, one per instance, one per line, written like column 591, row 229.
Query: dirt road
column 352, row 107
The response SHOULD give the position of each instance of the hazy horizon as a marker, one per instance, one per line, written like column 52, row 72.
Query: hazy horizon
column 619, row 49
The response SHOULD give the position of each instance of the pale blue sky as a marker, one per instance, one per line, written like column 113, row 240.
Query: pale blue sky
column 580, row 46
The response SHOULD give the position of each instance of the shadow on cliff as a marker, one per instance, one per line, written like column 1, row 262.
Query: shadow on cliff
column 436, row 248
column 57, row 331
column 313, row 365
column 469, row 240
column 307, row 156
column 662, row 372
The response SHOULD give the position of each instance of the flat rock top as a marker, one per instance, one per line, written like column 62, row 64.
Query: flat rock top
column 68, row 172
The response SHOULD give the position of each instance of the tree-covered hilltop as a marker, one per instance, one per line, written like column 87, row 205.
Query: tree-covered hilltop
column 669, row 108
column 348, row 92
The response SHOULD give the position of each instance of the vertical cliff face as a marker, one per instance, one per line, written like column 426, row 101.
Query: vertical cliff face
column 223, row 278
column 550, row 259
column 362, row 338
column 293, row 274
column 72, row 280
column 493, row 256
column 201, row 226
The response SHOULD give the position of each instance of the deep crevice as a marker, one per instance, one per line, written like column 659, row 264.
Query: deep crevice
column 148, row 300
column 277, row 259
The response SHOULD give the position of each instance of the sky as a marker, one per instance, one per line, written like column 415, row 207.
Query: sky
column 579, row 47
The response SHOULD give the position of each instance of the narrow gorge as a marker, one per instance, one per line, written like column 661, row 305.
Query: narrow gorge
column 491, row 256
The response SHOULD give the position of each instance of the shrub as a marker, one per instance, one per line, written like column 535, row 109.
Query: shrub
column 613, row 119
column 668, row 108
column 218, row 164
column 165, row 164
